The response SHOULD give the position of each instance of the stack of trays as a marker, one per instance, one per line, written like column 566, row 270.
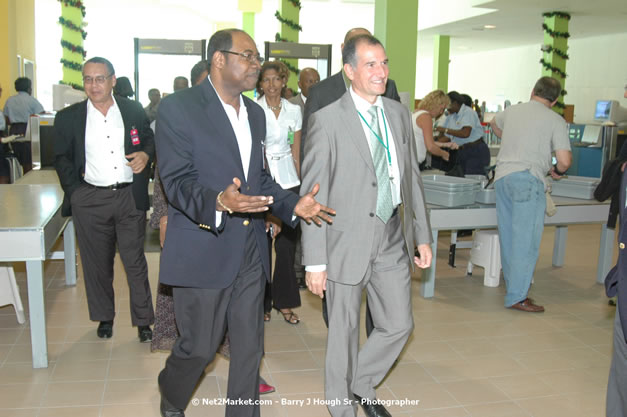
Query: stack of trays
column 575, row 187
column 484, row 195
column 450, row 191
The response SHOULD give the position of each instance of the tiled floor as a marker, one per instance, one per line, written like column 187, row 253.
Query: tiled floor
column 468, row 356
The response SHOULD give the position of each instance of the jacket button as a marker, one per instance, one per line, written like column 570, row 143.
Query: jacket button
column 622, row 245
column 247, row 187
column 371, row 214
column 246, row 222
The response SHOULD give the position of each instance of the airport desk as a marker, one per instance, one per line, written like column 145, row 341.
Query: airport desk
column 30, row 224
column 480, row 216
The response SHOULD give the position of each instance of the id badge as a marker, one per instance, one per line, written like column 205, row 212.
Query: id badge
column 134, row 137
column 290, row 135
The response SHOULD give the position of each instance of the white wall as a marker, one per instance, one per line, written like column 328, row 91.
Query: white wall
column 597, row 69
column 113, row 24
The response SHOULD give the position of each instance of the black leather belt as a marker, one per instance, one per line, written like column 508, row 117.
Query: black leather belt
column 470, row 144
column 116, row 186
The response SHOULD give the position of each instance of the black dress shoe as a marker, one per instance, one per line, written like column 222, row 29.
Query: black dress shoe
column 105, row 329
column 168, row 410
column 144, row 333
column 372, row 408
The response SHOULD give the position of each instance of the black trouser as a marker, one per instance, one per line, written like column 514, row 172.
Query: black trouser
column 104, row 218
column 474, row 157
column 22, row 150
column 283, row 292
column 202, row 316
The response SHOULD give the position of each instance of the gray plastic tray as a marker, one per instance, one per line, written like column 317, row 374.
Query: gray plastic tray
column 446, row 183
column 448, row 198
column 486, row 196
column 575, row 187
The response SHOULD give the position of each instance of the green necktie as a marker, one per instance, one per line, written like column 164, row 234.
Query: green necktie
column 379, row 158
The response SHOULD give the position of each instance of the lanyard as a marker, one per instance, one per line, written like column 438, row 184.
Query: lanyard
column 386, row 145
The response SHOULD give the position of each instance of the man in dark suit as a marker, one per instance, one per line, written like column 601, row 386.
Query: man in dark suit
column 616, row 285
column 102, row 148
column 361, row 148
column 307, row 78
column 321, row 95
column 210, row 141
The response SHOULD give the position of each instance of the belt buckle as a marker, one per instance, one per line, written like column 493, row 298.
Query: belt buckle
column 115, row 186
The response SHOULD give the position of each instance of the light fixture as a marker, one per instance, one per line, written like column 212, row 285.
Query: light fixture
column 489, row 27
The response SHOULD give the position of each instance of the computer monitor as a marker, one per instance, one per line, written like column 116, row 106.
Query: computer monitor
column 609, row 111
column 64, row 95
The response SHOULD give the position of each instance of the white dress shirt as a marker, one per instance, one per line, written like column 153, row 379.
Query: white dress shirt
column 241, row 128
column 386, row 132
column 105, row 160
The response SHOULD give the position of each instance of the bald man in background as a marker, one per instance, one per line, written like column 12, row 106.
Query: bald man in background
column 308, row 77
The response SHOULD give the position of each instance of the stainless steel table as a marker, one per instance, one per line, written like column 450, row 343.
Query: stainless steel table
column 480, row 216
column 30, row 224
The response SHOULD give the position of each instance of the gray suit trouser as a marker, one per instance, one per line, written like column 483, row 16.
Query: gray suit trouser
column 350, row 370
column 104, row 218
column 202, row 316
column 616, row 402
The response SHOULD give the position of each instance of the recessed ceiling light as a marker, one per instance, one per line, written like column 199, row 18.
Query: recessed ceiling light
column 489, row 26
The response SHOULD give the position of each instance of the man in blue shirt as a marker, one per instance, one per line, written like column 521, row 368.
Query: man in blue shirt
column 463, row 127
column 18, row 109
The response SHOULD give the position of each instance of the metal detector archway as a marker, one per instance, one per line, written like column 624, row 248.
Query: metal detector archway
column 292, row 50
column 167, row 47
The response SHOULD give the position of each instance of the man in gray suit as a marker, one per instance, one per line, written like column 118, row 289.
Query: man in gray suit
column 306, row 79
column 322, row 94
column 362, row 152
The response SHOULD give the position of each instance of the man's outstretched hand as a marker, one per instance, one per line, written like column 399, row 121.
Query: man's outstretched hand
column 310, row 210
column 232, row 200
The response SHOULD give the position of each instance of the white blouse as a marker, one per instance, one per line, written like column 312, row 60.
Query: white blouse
column 277, row 144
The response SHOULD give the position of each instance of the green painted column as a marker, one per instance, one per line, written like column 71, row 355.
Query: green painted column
column 72, row 36
column 249, row 8
column 396, row 26
column 290, row 11
column 441, row 58
column 248, row 23
column 555, row 49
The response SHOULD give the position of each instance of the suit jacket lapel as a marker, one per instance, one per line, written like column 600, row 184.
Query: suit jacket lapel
column 257, row 139
column 127, row 124
column 81, row 126
column 221, row 123
column 354, row 128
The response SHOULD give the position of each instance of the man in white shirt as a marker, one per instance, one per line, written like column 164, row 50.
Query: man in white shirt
column 103, row 148
column 361, row 150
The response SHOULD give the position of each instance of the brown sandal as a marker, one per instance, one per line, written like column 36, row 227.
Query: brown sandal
column 267, row 316
column 290, row 317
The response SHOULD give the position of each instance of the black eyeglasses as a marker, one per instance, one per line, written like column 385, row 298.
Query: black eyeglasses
column 100, row 79
column 252, row 58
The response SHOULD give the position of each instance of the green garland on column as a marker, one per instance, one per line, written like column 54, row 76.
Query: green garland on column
column 73, row 34
column 291, row 67
column 288, row 22
column 296, row 4
column 292, row 24
column 557, row 14
column 549, row 49
column 553, row 69
column 70, row 25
